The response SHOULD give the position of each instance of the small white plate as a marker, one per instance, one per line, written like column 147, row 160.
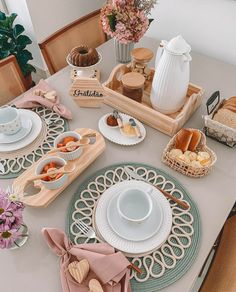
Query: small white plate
column 134, row 231
column 35, row 131
column 114, row 134
column 129, row 247
column 26, row 125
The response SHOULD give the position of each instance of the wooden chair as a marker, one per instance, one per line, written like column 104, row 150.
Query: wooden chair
column 12, row 82
column 221, row 275
column 86, row 30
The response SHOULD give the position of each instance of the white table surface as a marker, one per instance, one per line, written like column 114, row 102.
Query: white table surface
column 35, row 268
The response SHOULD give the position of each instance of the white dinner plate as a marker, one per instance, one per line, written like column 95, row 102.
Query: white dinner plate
column 129, row 247
column 114, row 134
column 131, row 230
column 35, row 131
column 26, row 125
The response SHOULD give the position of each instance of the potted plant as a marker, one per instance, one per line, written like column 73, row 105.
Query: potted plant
column 13, row 42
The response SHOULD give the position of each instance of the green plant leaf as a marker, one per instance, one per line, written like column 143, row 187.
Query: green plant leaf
column 17, row 30
column 10, row 19
column 4, row 54
column 23, row 41
column 24, row 56
column 150, row 21
column 2, row 15
column 112, row 21
column 27, row 69
column 6, row 32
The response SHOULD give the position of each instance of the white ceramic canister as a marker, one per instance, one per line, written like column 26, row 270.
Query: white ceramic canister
column 171, row 79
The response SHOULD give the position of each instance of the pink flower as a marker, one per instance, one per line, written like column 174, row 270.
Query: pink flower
column 7, row 238
column 124, row 21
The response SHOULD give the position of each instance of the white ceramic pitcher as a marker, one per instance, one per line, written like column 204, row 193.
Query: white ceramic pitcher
column 171, row 79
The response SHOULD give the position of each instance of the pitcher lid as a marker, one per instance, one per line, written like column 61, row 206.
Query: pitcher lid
column 178, row 45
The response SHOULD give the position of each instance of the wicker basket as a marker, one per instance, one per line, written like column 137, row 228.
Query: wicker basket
column 185, row 168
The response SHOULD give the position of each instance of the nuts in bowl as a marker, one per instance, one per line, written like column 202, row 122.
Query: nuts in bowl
column 67, row 139
column 187, row 153
column 52, row 181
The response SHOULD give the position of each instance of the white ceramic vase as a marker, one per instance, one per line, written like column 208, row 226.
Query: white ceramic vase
column 171, row 79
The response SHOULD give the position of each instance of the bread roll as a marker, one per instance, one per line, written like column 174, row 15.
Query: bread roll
column 195, row 140
column 183, row 139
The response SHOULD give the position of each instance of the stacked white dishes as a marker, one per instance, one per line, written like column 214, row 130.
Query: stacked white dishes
column 18, row 128
column 134, row 217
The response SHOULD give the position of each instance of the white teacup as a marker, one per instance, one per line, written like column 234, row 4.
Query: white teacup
column 10, row 122
column 135, row 205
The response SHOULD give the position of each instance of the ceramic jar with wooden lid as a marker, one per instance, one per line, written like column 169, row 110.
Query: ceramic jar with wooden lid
column 132, row 85
column 140, row 59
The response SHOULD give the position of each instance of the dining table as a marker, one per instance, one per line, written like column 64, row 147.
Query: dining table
column 34, row 267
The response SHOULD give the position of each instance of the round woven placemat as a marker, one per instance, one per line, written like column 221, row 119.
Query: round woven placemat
column 155, row 275
column 52, row 125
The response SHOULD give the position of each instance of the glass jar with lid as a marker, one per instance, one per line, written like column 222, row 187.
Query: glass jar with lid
column 133, row 85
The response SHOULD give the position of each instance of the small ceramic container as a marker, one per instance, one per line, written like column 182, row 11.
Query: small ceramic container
column 10, row 122
column 69, row 155
column 135, row 205
column 54, row 184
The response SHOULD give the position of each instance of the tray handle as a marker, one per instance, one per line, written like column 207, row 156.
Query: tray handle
column 212, row 102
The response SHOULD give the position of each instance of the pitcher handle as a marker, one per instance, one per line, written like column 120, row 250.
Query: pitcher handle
column 187, row 57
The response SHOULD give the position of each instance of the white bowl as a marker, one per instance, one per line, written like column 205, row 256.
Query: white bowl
column 69, row 155
column 135, row 205
column 10, row 122
column 55, row 184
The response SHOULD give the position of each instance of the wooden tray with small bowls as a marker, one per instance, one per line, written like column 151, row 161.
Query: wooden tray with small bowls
column 168, row 124
column 44, row 197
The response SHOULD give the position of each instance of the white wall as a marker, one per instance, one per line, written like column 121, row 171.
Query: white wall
column 20, row 7
column 50, row 15
column 208, row 25
column 43, row 17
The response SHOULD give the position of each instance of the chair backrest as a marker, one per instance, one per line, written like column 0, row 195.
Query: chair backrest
column 84, row 31
column 12, row 82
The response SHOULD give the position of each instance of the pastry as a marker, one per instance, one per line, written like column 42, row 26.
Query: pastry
column 83, row 56
column 183, row 158
column 79, row 270
column 195, row 164
column 192, row 156
column 226, row 115
column 183, row 139
column 128, row 130
column 175, row 152
column 195, row 140
column 112, row 121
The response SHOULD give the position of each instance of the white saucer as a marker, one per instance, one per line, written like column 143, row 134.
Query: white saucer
column 134, row 231
column 35, row 131
column 114, row 134
column 129, row 247
column 22, row 133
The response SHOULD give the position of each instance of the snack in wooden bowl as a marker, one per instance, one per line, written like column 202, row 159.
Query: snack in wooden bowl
column 67, row 139
column 187, row 153
column 47, row 165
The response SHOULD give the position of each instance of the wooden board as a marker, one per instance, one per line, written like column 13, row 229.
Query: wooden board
column 45, row 197
column 87, row 92
column 168, row 124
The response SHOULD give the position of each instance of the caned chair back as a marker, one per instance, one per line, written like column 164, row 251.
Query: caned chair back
column 12, row 82
column 84, row 31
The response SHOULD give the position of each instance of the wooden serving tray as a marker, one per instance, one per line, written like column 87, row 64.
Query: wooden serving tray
column 44, row 197
column 168, row 124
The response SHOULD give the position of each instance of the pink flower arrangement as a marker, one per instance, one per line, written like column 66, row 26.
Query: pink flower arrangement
column 124, row 20
column 11, row 219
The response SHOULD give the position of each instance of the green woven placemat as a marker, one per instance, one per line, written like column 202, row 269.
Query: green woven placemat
column 182, row 266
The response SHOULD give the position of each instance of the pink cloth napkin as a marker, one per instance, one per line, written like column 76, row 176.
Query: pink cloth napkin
column 30, row 100
column 110, row 268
